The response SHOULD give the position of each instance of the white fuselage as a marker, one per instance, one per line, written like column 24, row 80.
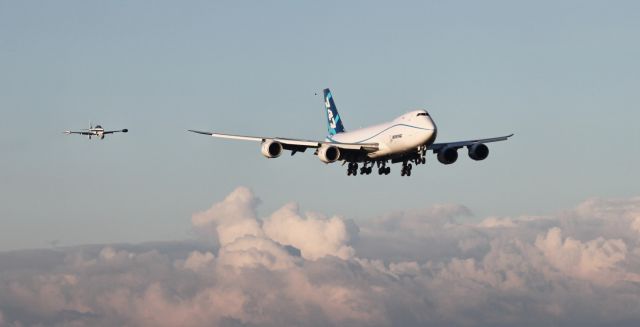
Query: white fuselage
column 405, row 133
column 97, row 131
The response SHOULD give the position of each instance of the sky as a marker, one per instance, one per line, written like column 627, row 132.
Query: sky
column 562, row 75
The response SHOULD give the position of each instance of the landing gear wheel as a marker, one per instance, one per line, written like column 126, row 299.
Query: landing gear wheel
column 406, row 169
column 352, row 169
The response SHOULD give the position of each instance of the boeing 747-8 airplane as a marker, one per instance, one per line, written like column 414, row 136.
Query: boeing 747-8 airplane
column 405, row 139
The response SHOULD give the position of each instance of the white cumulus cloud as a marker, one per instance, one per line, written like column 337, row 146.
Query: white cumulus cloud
column 420, row 267
column 315, row 235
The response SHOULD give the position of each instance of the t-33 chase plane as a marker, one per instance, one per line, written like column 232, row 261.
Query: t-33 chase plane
column 96, row 131
column 405, row 139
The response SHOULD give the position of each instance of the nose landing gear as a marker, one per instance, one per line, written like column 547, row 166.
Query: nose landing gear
column 421, row 156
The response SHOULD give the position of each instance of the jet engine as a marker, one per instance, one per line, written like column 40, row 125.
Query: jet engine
column 271, row 149
column 125, row 130
column 478, row 151
column 328, row 153
column 448, row 156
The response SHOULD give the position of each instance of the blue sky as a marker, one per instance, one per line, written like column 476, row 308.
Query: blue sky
column 562, row 76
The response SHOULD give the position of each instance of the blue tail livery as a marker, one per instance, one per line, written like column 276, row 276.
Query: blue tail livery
column 333, row 118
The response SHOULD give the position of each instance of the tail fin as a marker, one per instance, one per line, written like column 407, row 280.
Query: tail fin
column 333, row 118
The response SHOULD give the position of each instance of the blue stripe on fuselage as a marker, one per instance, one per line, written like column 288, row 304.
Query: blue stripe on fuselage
column 384, row 130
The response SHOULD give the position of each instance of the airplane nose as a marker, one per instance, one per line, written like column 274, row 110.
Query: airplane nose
column 434, row 130
column 428, row 123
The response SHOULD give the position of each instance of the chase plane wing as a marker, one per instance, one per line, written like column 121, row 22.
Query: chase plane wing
column 118, row 131
column 81, row 133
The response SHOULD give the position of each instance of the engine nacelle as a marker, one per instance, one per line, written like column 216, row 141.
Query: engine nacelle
column 448, row 156
column 271, row 149
column 328, row 153
column 478, row 151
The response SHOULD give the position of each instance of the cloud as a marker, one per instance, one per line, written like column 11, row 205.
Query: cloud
column 430, row 267
column 595, row 260
column 230, row 219
column 197, row 261
column 315, row 235
column 495, row 222
column 253, row 251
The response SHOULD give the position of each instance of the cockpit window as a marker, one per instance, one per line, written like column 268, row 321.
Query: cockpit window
column 422, row 114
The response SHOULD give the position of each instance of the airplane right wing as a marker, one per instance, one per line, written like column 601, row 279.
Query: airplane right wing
column 295, row 145
column 118, row 131
column 437, row 146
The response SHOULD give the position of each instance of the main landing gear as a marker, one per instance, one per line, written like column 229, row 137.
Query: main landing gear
column 383, row 169
column 367, row 169
column 352, row 169
column 406, row 169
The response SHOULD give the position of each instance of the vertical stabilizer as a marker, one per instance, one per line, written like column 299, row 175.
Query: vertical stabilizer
column 334, row 120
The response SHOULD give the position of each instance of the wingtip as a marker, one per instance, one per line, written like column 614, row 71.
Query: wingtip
column 199, row 132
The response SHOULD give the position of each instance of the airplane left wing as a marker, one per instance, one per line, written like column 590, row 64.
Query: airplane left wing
column 295, row 144
column 81, row 133
column 437, row 146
